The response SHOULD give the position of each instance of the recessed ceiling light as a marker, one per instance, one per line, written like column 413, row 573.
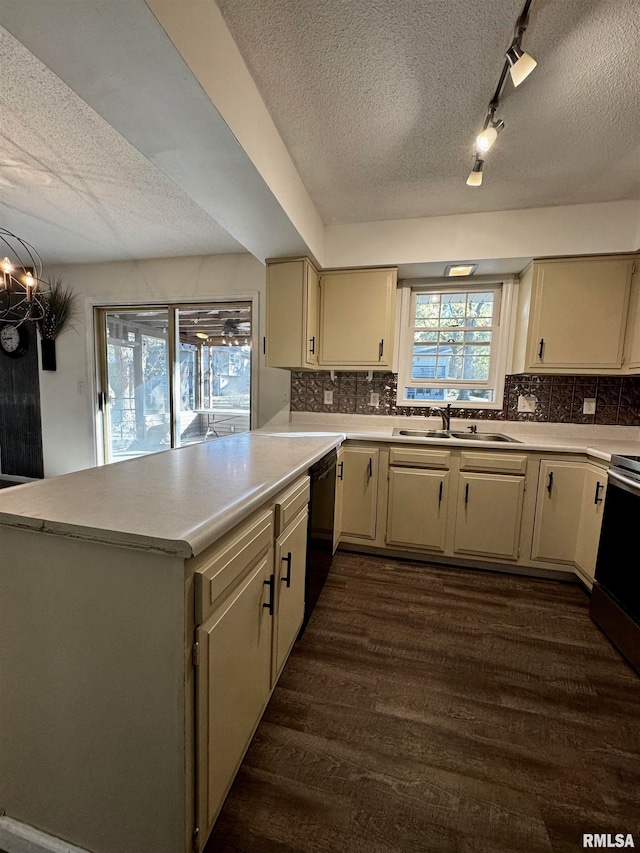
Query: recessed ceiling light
column 461, row 269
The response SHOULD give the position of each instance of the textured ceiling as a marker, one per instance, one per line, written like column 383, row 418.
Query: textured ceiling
column 75, row 188
column 379, row 102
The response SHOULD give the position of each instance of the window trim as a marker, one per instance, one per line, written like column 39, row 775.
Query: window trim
column 501, row 349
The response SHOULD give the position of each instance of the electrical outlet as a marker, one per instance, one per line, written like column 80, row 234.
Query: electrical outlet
column 527, row 403
column 328, row 398
column 589, row 406
column 374, row 399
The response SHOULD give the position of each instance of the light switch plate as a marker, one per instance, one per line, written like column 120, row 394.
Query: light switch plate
column 589, row 406
column 527, row 403
column 328, row 398
column 374, row 399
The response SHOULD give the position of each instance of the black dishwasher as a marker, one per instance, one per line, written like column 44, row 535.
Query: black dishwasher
column 320, row 532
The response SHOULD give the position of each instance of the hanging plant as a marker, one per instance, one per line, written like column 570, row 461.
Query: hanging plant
column 58, row 304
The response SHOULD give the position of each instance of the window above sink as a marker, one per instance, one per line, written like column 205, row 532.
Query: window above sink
column 454, row 344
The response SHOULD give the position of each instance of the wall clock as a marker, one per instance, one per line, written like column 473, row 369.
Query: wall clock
column 14, row 340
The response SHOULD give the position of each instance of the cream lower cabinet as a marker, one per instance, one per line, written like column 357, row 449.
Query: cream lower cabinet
column 359, row 498
column 595, row 486
column 417, row 508
column 290, row 570
column 249, row 607
column 418, row 497
column 233, row 685
column 337, row 515
column 558, row 509
column 488, row 515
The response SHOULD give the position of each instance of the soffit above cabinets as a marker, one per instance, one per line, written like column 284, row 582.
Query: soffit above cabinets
column 379, row 103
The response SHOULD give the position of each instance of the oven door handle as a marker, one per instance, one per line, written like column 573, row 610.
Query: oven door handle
column 623, row 482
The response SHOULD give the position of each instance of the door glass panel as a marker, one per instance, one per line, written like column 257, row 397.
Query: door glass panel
column 138, row 383
column 214, row 355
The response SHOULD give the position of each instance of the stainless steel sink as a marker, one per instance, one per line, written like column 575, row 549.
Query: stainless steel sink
column 484, row 436
column 423, row 433
column 468, row 436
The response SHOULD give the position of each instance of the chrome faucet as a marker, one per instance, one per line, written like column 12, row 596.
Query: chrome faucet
column 445, row 414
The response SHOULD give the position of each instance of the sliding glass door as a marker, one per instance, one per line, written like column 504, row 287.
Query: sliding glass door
column 172, row 375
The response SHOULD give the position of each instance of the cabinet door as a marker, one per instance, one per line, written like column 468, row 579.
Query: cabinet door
column 292, row 314
column 290, row 571
column 360, row 491
column 579, row 313
column 558, row 506
column 489, row 512
column 595, row 486
column 357, row 318
column 632, row 336
column 337, row 522
column 417, row 508
column 233, row 685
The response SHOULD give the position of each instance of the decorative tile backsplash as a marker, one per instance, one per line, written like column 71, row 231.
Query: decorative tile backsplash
column 560, row 398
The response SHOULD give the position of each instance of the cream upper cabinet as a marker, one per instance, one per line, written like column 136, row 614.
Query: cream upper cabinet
column 357, row 319
column 359, row 497
column 558, row 508
column 572, row 315
column 632, row 339
column 417, row 508
column 595, row 486
column 489, row 515
column 292, row 314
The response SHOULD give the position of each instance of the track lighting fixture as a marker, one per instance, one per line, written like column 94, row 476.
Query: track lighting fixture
column 475, row 175
column 485, row 140
column 520, row 64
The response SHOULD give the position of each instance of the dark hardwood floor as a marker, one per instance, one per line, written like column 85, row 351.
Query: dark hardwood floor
column 431, row 709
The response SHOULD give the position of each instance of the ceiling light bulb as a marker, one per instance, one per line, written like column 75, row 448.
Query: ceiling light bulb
column 489, row 135
column 5, row 265
column 475, row 175
column 522, row 64
column 202, row 335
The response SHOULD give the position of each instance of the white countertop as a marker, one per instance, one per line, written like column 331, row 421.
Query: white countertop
column 599, row 442
column 177, row 501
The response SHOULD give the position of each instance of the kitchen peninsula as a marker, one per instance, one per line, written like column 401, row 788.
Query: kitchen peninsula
column 106, row 577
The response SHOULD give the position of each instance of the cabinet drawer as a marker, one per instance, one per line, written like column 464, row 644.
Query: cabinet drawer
column 503, row 463
column 229, row 559
column 419, row 457
column 291, row 502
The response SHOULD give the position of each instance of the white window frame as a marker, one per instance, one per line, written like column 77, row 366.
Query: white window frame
column 501, row 343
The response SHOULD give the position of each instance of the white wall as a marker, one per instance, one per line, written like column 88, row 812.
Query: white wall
column 68, row 415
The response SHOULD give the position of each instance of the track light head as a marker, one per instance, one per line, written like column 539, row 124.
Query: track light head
column 475, row 175
column 522, row 64
column 488, row 136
